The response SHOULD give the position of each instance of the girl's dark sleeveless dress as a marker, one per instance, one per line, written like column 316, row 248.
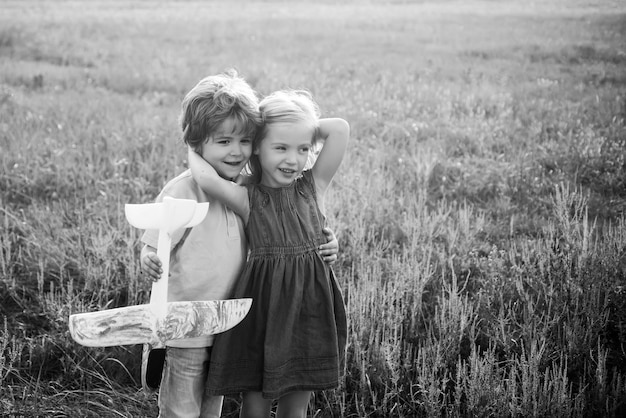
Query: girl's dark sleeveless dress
column 294, row 336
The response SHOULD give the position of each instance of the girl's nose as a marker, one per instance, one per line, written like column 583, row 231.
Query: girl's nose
column 291, row 158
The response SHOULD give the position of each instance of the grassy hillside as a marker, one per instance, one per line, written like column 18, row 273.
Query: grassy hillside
column 480, row 211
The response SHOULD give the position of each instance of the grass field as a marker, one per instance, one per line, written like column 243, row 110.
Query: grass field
column 480, row 211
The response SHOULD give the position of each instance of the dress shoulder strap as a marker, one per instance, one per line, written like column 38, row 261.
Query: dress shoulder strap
column 309, row 182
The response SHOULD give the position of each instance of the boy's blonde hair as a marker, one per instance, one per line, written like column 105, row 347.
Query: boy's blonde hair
column 215, row 99
column 284, row 106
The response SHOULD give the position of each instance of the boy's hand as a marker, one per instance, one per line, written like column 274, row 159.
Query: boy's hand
column 150, row 264
column 329, row 250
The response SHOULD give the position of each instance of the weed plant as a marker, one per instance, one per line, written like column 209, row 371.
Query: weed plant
column 480, row 210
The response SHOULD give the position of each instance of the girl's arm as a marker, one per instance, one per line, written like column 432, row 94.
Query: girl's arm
column 231, row 194
column 335, row 133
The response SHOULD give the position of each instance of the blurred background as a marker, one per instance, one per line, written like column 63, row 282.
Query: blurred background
column 480, row 211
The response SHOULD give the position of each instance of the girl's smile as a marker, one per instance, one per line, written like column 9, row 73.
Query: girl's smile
column 283, row 153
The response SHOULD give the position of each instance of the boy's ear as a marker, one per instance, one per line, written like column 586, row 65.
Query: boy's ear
column 255, row 151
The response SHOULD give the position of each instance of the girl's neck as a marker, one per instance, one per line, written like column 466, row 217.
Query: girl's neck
column 276, row 187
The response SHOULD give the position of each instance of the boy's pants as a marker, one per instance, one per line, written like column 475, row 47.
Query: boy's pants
column 182, row 392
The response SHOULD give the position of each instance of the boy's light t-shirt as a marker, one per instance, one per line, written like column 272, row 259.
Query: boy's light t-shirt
column 207, row 263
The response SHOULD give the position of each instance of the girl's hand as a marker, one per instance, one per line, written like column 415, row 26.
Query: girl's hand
column 330, row 249
column 151, row 265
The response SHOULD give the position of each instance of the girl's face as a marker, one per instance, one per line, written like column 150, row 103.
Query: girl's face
column 283, row 153
column 228, row 149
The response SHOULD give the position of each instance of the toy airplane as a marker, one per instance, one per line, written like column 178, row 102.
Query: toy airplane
column 159, row 321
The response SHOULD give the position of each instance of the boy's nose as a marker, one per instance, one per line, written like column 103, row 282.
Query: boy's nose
column 236, row 150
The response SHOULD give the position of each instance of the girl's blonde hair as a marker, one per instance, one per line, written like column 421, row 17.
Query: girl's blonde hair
column 284, row 106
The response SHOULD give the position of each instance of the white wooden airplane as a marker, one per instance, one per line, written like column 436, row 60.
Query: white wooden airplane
column 159, row 321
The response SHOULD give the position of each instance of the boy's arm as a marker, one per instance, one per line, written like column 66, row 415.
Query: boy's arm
column 335, row 133
column 329, row 249
column 150, row 263
column 231, row 194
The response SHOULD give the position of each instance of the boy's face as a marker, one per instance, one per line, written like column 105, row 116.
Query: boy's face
column 283, row 153
column 227, row 150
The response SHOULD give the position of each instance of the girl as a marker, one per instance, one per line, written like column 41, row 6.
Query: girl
column 293, row 340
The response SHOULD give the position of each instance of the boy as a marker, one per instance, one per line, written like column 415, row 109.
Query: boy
column 219, row 118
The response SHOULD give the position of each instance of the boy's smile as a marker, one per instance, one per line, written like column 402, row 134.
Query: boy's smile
column 284, row 152
column 228, row 149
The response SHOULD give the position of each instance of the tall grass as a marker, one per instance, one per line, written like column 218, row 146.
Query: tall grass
column 480, row 210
